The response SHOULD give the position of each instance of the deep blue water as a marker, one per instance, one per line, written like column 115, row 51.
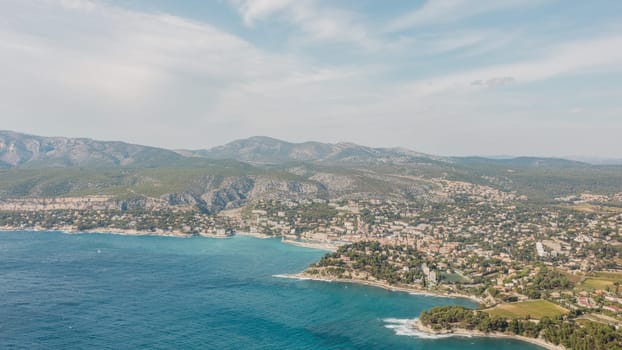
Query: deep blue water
column 97, row 291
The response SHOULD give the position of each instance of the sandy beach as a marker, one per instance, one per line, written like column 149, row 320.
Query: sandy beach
column 252, row 234
column 314, row 245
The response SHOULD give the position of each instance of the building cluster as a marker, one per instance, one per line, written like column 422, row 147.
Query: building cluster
column 158, row 222
column 492, row 247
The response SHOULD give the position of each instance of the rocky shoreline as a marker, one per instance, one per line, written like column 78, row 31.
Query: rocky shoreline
column 383, row 285
column 461, row 332
column 417, row 325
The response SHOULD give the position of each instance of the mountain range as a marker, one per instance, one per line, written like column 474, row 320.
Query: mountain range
column 242, row 171
column 18, row 150
column 267, row 150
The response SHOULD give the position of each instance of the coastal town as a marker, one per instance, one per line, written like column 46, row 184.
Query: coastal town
column 472, row 241
column 311, row 174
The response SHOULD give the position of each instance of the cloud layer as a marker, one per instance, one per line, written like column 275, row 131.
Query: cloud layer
column 443, row 77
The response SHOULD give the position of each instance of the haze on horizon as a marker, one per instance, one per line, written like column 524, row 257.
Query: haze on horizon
column 447, row 77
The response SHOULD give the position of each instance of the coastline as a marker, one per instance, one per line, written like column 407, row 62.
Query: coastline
column 179, row 234
column 408, row 289
column 460, row 332
column 251, row 234
column 112, row 231
column 313, row 245
column 328, row 247
column 415, row 325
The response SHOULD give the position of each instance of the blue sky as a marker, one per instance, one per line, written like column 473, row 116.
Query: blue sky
column 450, row 77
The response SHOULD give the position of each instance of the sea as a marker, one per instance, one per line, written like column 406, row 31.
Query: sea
column 104, row 291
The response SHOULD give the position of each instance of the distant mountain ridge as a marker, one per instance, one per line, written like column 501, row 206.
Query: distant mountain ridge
column 596, row 160
column 18, row 149
column 267, row 150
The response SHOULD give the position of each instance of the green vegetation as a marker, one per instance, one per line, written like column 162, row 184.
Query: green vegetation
column 556, row 330
column 602, row 280
column 84, row 166
column 121, row 182
column 596, row 283
column 189, row 222
column 546, row 281
column 612, row 276
column 537, row 309
column 393, row 264
column 541, row 179
column 454, row 278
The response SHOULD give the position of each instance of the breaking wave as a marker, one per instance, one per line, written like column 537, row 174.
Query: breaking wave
column 404, row 327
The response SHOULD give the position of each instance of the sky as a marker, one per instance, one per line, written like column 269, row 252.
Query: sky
column 447, row 77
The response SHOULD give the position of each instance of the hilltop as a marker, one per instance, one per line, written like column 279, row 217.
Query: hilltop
column 267, row 150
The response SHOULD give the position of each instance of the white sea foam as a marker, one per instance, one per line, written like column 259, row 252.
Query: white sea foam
column 404, row 326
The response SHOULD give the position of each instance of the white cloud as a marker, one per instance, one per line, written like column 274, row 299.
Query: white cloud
column 252, row 10
column 462, row 42
column 442, row 11
column 118, row 52
column 90, row 66
column 564, row 59
column 318, row 22
column 87, row 5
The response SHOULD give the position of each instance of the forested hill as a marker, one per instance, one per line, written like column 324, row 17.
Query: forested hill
column 566, row 331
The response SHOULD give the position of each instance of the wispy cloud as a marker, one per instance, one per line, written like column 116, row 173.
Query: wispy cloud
column 564, row 59
column 89, row 58
column 317, row 22
column 253, row 10
column 443, row 11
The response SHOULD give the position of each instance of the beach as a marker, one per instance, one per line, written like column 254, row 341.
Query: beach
column 313, row 245
column 253, row 234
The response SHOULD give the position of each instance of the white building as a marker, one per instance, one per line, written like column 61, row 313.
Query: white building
column 540, row 249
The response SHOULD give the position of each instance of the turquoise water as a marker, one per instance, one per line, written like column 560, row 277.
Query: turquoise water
column 60, row 291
